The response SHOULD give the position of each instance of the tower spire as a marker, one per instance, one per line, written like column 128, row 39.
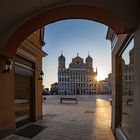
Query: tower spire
column 61, row 52
column 77, row 54
column 88, row 53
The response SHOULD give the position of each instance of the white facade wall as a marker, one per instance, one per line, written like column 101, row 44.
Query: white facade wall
column 79, row 78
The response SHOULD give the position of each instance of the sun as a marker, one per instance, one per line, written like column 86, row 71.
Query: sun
column 100, row 77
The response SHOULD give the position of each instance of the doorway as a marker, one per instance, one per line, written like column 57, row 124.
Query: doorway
column 24, row 94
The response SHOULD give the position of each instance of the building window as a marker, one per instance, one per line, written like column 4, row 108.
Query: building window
column 60, row 79
column 127, row 58
column 126, row 77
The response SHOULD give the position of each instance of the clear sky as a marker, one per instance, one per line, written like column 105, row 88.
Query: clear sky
column 72, row 37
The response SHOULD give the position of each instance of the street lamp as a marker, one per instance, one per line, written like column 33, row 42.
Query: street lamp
column 8, row 66
column 41, row 75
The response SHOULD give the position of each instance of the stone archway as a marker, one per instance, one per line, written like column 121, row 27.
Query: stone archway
column 60, row 13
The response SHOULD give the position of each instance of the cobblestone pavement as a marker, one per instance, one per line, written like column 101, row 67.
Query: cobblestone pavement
column 89, row 119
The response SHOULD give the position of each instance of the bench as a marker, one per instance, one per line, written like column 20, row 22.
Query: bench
column 68, row 99
column 128, row 101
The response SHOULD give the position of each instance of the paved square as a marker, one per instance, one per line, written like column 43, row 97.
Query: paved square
column 89, row 119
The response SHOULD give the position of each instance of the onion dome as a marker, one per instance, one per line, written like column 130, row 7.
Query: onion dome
column 89, row 58
column 61, row 58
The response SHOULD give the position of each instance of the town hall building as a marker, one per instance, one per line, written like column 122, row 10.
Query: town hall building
column 78, row 78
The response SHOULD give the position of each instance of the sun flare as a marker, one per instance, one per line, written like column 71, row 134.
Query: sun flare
column 100, row 77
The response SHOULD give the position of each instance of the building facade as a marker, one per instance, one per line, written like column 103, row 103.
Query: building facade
column 124, row 96
column 78, row 78
column 128, row 74
column 54, row 88
column 26, row 68
column 27, row 79
column 104, row 86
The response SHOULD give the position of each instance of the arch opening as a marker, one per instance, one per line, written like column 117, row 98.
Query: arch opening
column 61, row 13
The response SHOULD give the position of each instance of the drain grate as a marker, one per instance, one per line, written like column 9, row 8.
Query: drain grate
column 88, row 111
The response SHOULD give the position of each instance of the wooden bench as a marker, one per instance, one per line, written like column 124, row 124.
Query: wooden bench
column 68, row 99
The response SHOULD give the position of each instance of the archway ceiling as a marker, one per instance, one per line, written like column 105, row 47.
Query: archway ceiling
column 14, row 14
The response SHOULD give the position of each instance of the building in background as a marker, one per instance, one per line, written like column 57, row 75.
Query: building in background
column 79, row 78
column 104, row 86
column 45, row 91
column 110, row 82
column 128, row 75
column 54, row 88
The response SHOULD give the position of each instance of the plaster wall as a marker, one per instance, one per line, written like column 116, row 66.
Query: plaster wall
column 38, row 90
column 7, row 114
column 35, row 39
column 7, row 87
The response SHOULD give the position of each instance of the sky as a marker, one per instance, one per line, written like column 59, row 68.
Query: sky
column 71, row 37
